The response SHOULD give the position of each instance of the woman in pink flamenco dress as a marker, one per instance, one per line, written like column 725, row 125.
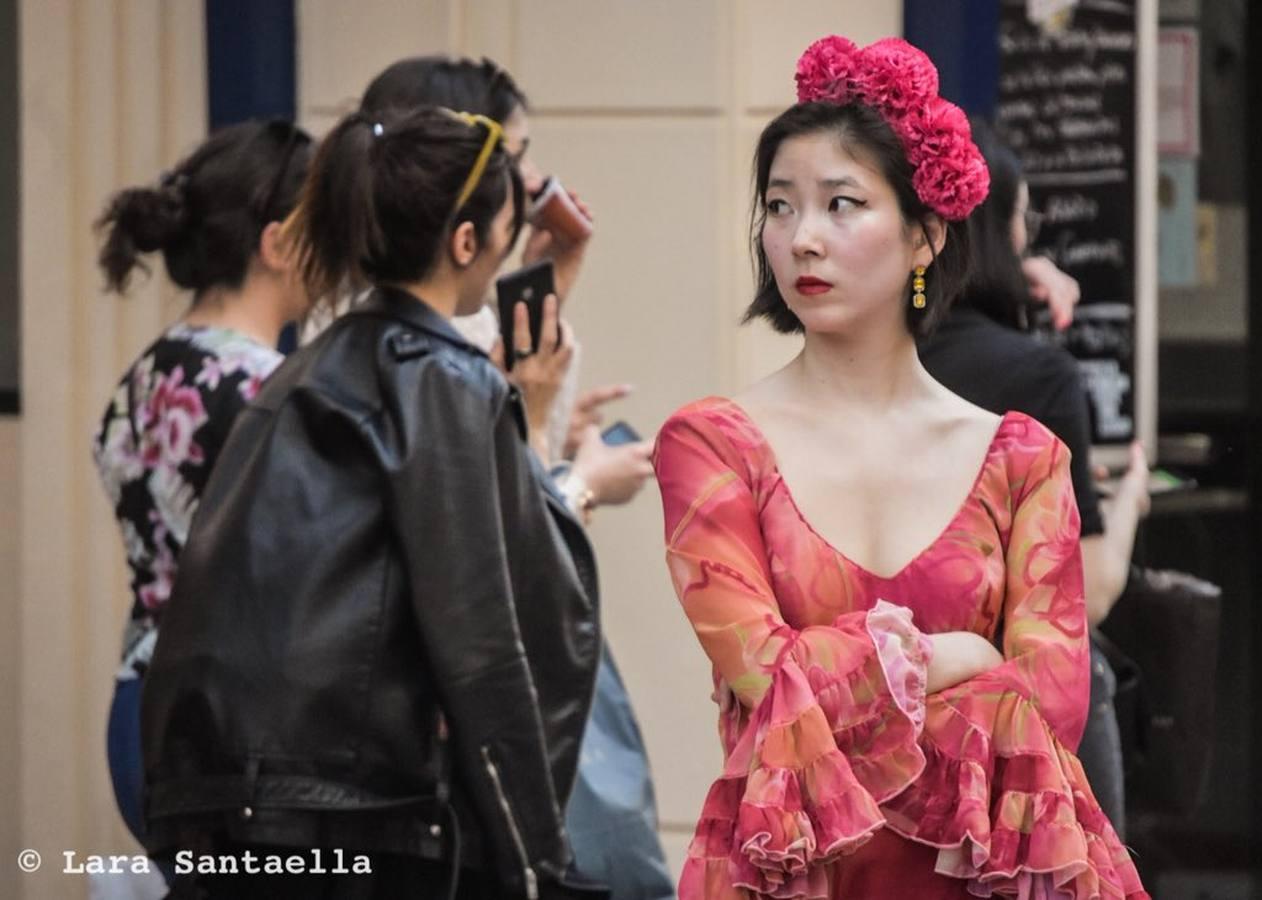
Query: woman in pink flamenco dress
column 899, row 717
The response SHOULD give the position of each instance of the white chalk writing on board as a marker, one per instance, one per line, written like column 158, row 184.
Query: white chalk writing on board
column 1066, row 106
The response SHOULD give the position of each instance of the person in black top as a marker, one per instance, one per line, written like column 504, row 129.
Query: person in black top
column 1000, row 368
column 980, row 351
column 215, row 218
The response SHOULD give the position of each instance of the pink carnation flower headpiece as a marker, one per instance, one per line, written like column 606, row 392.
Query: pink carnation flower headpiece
column 901, row 84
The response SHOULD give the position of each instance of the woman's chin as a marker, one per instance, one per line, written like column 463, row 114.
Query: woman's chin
column 830, row 319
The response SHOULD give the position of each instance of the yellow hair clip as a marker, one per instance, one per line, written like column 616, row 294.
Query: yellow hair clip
column 494, row 134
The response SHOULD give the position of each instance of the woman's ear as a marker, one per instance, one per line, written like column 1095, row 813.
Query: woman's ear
column 463, row 244
column 275, row 250
column 930, row 238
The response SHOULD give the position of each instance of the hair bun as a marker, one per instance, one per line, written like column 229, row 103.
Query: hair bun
column 155, row 218
column 140, row 220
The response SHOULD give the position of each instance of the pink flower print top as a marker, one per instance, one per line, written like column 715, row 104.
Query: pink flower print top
column 157, row 443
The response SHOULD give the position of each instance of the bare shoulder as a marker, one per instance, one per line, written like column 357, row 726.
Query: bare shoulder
column 761, row 393
column 953, row 415
column 769, row 399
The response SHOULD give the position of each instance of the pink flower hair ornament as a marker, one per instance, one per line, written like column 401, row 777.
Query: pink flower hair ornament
column 901, row 84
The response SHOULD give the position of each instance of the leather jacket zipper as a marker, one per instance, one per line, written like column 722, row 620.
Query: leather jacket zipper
column 532, row 881
column 443, row 789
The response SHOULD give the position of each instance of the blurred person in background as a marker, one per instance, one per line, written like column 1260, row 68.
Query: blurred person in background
column 216, row 220
column 561, row 419
column 984, row 334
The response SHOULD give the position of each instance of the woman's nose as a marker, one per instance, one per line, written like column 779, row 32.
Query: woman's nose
column 806, row 239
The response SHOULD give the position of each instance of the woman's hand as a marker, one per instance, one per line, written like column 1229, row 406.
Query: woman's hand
column 587, row 413
column 1133, row 486
column 957, row 657
column 539, row 371
column 614, row 475
column 1050, row 285
column 566, row 255
column 1106, row 558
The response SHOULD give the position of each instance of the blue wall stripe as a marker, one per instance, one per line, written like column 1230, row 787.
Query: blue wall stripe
column 961, row 37
column 250, row 60
column 251, row 70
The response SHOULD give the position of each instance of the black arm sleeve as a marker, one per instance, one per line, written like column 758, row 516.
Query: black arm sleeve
column 449, row 487
column 1064, row 412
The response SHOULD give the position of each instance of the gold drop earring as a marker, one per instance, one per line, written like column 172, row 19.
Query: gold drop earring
column 918, row 287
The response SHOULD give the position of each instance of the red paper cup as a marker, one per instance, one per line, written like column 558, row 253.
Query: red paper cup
column 552, row 209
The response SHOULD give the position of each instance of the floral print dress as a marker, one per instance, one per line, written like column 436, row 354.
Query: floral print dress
column 158, row 441
column 842, row 777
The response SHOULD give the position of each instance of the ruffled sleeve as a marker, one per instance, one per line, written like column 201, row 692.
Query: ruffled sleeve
column 820, row 724
column 1002, row 795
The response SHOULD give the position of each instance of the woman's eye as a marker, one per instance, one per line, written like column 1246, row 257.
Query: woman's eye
column 777, row 207
column 837, row 204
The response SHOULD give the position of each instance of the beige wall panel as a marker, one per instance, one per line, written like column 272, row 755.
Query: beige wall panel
column 486, row 29
column 341, row 46
column 11, row 832
column 773, row 36
column 621, row 54
column 113, row 91
column 117, row 103
column 645, row 308
column 763, row 351
column 51, row 773
column 645, row 312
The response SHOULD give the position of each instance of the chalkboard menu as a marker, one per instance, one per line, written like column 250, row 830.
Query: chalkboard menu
column 1066, row 105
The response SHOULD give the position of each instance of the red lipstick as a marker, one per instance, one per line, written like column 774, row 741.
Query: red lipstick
column 810, row 285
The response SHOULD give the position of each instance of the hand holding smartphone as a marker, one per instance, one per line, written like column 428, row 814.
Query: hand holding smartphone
column 620, row 433
column 529, row 285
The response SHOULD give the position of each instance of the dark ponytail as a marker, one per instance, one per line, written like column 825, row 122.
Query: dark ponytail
column 382, row 195
column 207, row 214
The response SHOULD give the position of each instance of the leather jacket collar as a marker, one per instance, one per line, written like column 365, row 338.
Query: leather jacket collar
column 388, row 301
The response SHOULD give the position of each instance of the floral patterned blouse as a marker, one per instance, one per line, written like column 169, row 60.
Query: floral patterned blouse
column 842, row 777
column 157, row 443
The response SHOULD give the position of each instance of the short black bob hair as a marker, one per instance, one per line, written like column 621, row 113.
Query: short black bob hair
column 862, row 132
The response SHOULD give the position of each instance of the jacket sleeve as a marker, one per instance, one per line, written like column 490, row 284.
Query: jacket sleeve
column 448, row 482
column 820, row 723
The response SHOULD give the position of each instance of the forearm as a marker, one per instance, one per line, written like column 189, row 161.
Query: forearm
column 957, row 657
column 538, row 440
column 1107, row 557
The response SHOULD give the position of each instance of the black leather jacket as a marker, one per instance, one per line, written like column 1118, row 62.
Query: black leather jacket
column 383, row 615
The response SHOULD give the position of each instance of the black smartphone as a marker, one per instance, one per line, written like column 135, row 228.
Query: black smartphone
column 620, row 433
column 527, row 285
